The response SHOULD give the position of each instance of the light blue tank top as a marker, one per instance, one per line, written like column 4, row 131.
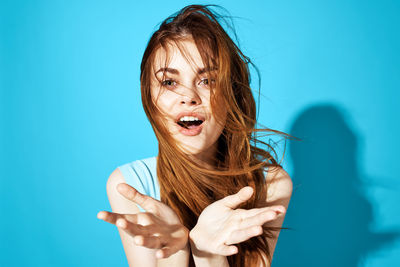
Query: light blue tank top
column 142, row 175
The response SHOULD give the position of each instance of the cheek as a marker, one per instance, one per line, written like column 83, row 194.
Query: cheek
column 164, row 101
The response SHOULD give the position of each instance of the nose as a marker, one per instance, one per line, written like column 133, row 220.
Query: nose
column 190, row 98
column 189, row 102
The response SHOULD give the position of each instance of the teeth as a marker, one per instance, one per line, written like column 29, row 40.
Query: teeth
column 189, row 118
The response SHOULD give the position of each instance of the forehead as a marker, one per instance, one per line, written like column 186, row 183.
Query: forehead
column 180, row 55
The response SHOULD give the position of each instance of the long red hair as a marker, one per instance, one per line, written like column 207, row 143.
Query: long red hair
column 186, row 186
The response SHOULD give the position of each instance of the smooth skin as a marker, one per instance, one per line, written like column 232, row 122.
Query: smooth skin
column 219, row 226
column 157, row 228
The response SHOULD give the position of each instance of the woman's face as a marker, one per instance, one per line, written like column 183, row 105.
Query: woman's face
column 181, row 91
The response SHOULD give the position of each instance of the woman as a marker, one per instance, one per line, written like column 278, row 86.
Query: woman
column 211, row 197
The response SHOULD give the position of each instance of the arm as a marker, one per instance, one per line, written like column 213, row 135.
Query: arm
column 279, row 192
column 204, row 259
column 125, row 211
column 221, row 225
column 136, row 255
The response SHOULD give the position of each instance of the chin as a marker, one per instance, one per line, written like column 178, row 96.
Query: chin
column 191, row 150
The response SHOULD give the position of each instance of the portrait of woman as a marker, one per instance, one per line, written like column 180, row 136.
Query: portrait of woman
column 213, row 196
column 171, row 133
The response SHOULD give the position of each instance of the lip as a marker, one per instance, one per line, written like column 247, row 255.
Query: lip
column 189, row 113
column 193, row 131
column 190, row 132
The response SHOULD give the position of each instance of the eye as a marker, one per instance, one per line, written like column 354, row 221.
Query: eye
column 169, row 83
column 207, row 81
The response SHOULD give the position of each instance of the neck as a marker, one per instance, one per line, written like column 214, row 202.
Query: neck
column 206, row 158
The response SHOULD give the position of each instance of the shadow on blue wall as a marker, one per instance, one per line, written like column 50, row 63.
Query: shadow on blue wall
column 328, row 213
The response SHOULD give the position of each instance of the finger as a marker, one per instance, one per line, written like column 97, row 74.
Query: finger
column 161, row 253
column 101, row 215
column 172, row 246
column 258, row 219
column 110, row 217
column 134, row 229
column 228, row 250
column 244, row 214
column 165, row 252
column 244, row 234
column 279, row 209
column 149, row 241
column 243, row 195
column 120, row 221
column 132, row 194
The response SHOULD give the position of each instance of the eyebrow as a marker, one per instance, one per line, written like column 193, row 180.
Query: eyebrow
column 175, row 71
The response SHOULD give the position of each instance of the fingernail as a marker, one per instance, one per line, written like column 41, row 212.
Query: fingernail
column 159, row 254
column 138, row 240
column 279, row 214
column 121, row 223
column 280, row 211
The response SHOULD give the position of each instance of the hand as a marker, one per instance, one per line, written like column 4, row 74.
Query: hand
column 158, row 228
column 220, row 225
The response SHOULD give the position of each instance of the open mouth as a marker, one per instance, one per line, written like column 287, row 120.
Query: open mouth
column 189, row 122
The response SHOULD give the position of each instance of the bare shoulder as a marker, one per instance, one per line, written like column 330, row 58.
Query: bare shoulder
column 279, row 188
column 117, row 201
column 279, row 185
column 114, row 179
column 136, row 255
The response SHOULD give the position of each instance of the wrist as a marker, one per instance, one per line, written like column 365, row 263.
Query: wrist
column 198, row 252
column 192, row 241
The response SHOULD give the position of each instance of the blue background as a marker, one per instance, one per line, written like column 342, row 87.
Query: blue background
column 71, row 113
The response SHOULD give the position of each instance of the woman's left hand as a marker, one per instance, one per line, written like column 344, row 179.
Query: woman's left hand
column 220, row 225
column 158, row 228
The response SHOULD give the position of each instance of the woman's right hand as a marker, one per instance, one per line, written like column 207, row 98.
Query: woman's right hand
column 220, row 225
column 158, row 228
